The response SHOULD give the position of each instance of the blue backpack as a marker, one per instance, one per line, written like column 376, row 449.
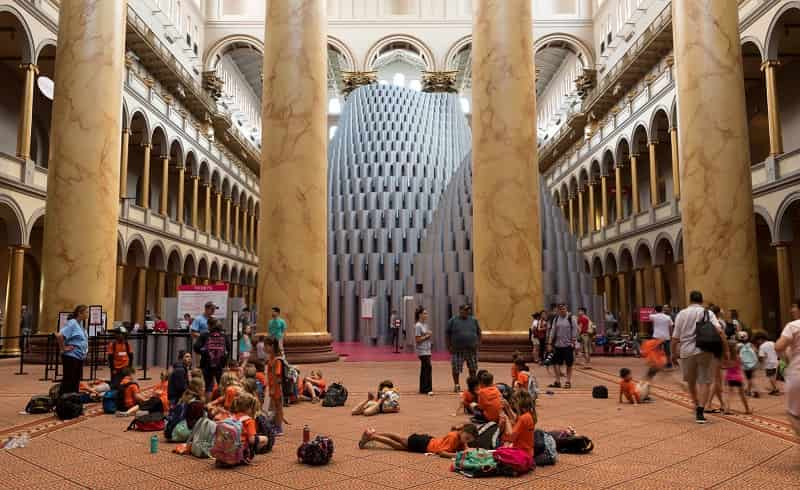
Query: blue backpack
column 110, row 401
column 176, row 415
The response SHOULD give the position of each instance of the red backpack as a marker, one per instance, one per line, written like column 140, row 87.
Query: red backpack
column 513, row 460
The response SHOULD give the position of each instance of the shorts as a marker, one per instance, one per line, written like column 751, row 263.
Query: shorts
column 771, row 373
column 748, row 373
column 586, row 342
column 564, row 355
column 697, row 368
column 734, row 383
column 458, row 358
column 418, row 443
column 536, row 342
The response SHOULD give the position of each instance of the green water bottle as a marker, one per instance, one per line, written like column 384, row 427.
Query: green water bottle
column 154, row 444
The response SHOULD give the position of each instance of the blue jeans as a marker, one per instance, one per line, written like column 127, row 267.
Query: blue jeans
column 667, row 347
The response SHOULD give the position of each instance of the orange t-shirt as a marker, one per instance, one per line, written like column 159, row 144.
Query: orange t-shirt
column 274, row 374
column 467, row 399
column 653, row 353
column 161, row 392
column 130, row 392
column 521, row 436
column 261, row 378
column 522, row 379
column 490, row 402
column 248, row 426
column 629, row 389
column 514, row 371
column 120, row 352
column 449, row 443
column 231, row 392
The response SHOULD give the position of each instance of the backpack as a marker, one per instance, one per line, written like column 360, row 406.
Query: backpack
column 573, row 444
column 335, row 396
column 505, row 390
column 150, row 422
column 110, row 401
column 181, row 432
column 202, row 437
column 544, row 448
column 748, row 356
column 512, row 461
column 317, row 452
column 488, row 436
column 706, row 335
column 55, row 393
column 215, row 349
column 176, row 416
column 195, row 412
column 265, row 428
column 289, row 377
column 533, row 386
column 600, row 391
column 228, row 448
column 69, row 406
column 121, row 394
column 730, row 329
column 39, row 404
column 475, row 463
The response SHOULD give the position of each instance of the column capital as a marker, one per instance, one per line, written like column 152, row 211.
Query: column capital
column 18, row 248
column 780, row 244
column 770, row 64
column 653, row 142
column 29, row 67
column 146, row 145
column 126, row 131
column 633, row 155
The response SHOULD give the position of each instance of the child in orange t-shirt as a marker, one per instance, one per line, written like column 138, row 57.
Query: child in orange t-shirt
column 490, row 401
column 274, row 383
column 520, row 435
column 457, row 439
column 120, row 356
column 229, row 389
column 244, row 410
column 313, row 386
column 628, row 387
column 655, row 358
column 469, row 398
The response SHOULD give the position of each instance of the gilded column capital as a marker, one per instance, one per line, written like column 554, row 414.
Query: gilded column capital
column 149, row 82
column 29, row 67
column 146, row 145
column 770, row 64
column 634, row 155
column 354, row 79
column 439, row 81
column 653, row 142
column 669, row 60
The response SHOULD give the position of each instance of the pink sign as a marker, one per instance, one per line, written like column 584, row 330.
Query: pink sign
column 192, row 299
column 644, row 314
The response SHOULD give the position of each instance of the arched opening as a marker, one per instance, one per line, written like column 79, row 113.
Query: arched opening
column 175, row 163
column 627, row 291
column 15, row 50
column 572, row 206
column 596, row 221
column 133, row 292
column 612, row 293
column 216, row 204
column 659, row 134
column 189, row 269
column 559, row 62
column 624, row 192
column 202, row 269
column 204, row 193
column 583, row 203
column 174, row 273
column 607, row 170
column 784, row 46
column 140, row 136
column 32, row 272
column 43, row 105
column 640, row 150
column 158, row 153
column 214, row 272
column 156, row 266
column 188, row 187
column 645, row 285
column 665, row 260
column 768, row 265
column 755, row 92
column 399, row 60
column 239, row 64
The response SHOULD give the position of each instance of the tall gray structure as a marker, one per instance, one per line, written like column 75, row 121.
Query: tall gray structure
column 400, row 213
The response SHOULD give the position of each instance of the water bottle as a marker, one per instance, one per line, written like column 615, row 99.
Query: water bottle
column 306, row 433
column 154, row 444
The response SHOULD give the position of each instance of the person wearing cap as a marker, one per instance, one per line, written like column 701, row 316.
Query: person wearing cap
column 277, row 327
column 120, row 355
column 200, row 322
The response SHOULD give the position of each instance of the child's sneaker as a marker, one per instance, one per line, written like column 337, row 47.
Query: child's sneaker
column 699, row 417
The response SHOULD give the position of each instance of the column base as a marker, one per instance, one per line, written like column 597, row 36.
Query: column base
column 500, row 346
column 306, row 348
column 10, row 352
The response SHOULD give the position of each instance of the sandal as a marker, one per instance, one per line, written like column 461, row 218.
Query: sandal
column 714, row 410
column 554, row 385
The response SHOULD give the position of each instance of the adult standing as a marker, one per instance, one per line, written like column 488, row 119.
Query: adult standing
column 586, row 336
column 26, row 326
column 561, row 341
column 422, row 338
column 696, row 365
column 534, row 336
column 463, row 335
column 74, row 345
column 277, row 327
column 788, row 344
column 201, row 322
column 662, row 330
column 394, row 327
column 214, row 349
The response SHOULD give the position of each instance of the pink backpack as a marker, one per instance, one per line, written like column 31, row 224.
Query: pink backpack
column 227, row 448
column 514, row 459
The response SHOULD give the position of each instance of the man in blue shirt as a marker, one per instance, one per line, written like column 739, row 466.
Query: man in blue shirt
column 200, row 323
column 277, row 327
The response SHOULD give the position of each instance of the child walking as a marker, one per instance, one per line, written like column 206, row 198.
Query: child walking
column 459, row 438
column 245, row 345
column 734, row 379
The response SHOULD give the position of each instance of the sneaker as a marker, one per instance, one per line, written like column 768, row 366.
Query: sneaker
column 457, row 389
column 430, row 393
column 699, row 417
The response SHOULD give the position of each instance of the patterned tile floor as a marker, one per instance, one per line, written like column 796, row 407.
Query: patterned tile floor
column 649, row 446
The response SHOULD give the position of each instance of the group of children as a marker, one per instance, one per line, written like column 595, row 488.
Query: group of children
column 484, row 401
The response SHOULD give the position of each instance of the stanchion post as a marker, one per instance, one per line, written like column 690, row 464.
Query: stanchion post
column 22, row 361
column 144, row 358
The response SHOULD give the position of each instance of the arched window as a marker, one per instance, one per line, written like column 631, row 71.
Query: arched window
column 465, row 105
column 332, row 131
column 399, row 80
column 383, row 82
column 334, row 106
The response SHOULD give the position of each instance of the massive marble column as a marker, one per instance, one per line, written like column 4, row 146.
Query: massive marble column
column 16, row 265
column 79, row 254
column 773, row 113
column 507, row 251
column 720, row 253
column 293, row 263
column 26, row 112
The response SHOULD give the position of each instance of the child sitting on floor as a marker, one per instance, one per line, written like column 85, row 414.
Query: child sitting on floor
column 387, row 400
column 313, row 386
column 131, row 399
column 468, row 398
column 520, row 434
column 516, row 356
column 490, row 401
column 229, row 388
column 459, row 438
column 628, row 387
column 244, row 410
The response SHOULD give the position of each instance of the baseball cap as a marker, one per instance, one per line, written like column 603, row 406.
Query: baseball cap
column 210, row 304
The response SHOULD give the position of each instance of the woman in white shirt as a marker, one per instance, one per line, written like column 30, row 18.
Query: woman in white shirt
column 788, row 345
column 422, row 337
